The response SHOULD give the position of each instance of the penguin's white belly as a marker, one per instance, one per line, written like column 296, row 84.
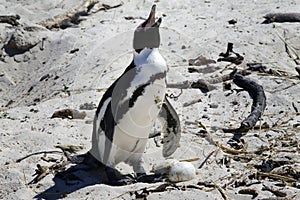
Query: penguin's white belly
column 132, row 131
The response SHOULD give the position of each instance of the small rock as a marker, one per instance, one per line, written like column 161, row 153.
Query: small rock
column 74, row 50
column 33, row 110
column 232, row 21
column 69, row 113
column 205, row 117
column 20, row 41
column 213, row 105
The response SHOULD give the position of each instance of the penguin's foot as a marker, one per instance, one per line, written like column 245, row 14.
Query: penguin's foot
column 114, row 178
column 120, row 182
column 90, row 160
column 149, row 178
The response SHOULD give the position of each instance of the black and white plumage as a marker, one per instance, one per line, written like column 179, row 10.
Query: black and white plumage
column 130, row 106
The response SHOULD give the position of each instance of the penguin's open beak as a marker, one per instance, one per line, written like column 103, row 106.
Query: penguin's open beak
column 150, row 22
column 151, row 18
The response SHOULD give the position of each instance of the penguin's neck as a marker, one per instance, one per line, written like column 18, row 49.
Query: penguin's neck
column 148, row 56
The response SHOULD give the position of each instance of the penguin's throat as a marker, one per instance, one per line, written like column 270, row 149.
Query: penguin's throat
column 139, row 50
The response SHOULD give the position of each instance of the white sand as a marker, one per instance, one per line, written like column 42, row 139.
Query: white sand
column 104, row 43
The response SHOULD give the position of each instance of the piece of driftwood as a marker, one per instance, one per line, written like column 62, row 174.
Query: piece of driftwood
column 201, row 84
column 144, row 192
column 10, row 19
column 72, row 18
column 231, row 56
column 257, row 93
column 281, row 17
column 276, row 192
column 259, row 67
column 230, row 150
column 69, row 148
column 200, row 60
column 206, row 159
column 249, row 191
column 222, row 192
column 206, row 85
column 37, row 153
column 42, row 171
column 204, row 70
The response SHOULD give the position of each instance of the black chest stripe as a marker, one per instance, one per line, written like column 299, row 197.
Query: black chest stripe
column 123, row 108
column 138, row 92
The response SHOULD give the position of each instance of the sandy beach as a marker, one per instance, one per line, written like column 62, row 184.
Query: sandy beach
column 44, row 70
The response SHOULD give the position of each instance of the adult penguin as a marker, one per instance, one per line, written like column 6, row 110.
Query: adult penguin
column 130, row 106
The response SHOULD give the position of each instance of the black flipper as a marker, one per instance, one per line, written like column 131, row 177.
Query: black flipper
column 171, row 128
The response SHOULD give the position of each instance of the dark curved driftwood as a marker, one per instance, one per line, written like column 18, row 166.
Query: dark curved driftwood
column 10, row 19
column 281, row 17
column 257, row 93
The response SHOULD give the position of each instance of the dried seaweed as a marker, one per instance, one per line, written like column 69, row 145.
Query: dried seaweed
column 42, row 171
column 256, row 92
column 276, row 176
column 249, row 191
column 10, row 19
column 144, row 192
column 281, row 17
column 222, row 192
column 215, row 186
column 274, row 191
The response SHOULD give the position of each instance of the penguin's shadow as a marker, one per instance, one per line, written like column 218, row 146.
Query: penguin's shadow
column 74, row 178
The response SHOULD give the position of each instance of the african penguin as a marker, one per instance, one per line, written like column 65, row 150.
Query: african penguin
column 130, row 106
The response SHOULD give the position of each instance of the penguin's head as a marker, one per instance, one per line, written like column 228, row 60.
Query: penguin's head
column 146, row 35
